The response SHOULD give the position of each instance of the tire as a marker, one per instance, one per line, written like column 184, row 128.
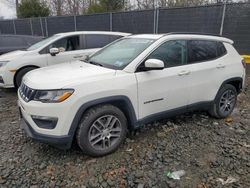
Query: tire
column 102, row 130
column 20, row 74
column 224, row 102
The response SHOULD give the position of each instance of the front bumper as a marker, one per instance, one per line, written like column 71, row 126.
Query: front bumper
column 60, row 135
column 6, row 79
column 62, row 142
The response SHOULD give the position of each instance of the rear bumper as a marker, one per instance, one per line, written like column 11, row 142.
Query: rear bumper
column 62, row 142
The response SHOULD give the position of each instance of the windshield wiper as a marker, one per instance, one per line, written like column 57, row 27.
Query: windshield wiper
column 95, row 63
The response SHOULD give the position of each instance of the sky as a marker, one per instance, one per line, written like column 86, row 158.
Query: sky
column 7, row 10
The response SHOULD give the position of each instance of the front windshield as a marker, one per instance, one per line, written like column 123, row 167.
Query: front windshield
column 41, row 43
column 119, row 54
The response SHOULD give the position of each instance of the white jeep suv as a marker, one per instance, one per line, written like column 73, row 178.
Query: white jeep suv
column 137, row 79
column 59, row 48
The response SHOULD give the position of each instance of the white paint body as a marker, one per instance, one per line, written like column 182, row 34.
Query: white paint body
column 19, row 59
column 200, row 83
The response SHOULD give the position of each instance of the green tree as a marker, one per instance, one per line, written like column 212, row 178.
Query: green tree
column 32, row 8
column 106, row 6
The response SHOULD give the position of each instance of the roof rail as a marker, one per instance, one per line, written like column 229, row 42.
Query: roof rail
column 192, row 33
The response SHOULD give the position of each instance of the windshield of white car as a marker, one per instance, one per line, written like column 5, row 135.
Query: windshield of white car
column 119, row 54
column 42, row 43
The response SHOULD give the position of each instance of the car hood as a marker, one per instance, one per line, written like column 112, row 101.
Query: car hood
column 65, row 75
column 13, row 55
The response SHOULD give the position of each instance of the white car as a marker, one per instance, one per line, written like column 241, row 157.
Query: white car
column 59, row 48
column 135, row 80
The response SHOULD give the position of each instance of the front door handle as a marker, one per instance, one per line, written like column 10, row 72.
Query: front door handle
column 185, row 72
column 220, row 66
column 78, row 56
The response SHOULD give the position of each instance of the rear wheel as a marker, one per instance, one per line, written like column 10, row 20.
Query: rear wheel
column 102, row 130
column 20, row 74
column 225, row 102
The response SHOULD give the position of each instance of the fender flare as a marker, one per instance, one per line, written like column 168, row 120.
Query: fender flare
column 228, row 81
column 123, row 100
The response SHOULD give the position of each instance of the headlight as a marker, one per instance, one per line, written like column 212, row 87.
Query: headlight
column 53, row 96
column 3, row 63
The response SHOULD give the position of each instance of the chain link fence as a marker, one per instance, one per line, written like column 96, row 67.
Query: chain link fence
column 229, row 20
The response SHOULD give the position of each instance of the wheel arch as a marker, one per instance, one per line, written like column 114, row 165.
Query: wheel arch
column 21, row 68
column 122, row 102
column 236, row 82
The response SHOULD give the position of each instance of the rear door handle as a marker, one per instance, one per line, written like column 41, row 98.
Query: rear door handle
column 220, row 66
column 185, row 72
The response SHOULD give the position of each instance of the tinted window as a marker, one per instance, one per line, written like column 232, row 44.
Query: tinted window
column 99, row 41
column 221, row 49
column 67, row 44
column 201, row 50
column 114, row 37
column 6, row 41
column 172, row 53
column 96, row 41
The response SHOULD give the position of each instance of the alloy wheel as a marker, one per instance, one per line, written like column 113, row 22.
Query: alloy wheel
column 105, row 132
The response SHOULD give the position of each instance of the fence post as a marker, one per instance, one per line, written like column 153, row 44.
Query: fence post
column 31, row 27
column 154, row 20
column 157, row 21
column 75, row 22
column 111, row 21
column 223, row 18
column 46, row 27
column 14, row 27
column 41, row 24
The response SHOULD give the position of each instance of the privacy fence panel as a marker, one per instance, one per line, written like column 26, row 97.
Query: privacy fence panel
column 60, row 24
column 23, row 27
column 99, row 22
column 235, row 23
column 37, row 27
column 237, row 26
column 7, row 27
column 194, row 19
column 134, row 22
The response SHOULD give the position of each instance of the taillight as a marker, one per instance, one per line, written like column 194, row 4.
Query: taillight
column 243, row 63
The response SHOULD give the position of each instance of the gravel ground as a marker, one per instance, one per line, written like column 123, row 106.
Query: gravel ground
column 206, row 148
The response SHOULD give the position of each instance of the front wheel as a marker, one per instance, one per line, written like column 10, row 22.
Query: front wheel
column 224, row 102
column 102, row 130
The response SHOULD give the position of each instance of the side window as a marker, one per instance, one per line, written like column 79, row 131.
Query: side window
column 201, row 50
column 114, row 37
column 221, row 50
column 96, row 41
column 67, row 44
column 172, row 53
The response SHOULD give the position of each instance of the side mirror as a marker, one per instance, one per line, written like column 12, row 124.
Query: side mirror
column 54, row 51
column 154, row 64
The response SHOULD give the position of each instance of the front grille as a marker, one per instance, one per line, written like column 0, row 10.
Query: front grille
column 26, row 93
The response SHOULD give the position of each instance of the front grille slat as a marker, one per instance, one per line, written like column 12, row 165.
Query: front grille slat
column 26, row 93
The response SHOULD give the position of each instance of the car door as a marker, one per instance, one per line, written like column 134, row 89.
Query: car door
column 207, row 58
column 70, row 48
column 167, row 89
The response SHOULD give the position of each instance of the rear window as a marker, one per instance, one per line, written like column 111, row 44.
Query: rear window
column 99, row 41
column 7, row 41
column 202, row 50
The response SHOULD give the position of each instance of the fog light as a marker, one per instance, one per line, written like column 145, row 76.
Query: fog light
column 45, row 122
